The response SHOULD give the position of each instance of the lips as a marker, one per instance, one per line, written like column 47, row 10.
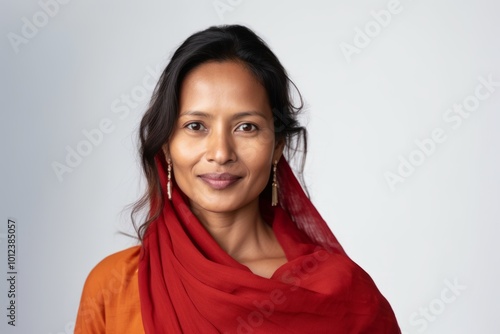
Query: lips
column 219, row 181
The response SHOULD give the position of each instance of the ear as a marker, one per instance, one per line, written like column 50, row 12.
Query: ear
column 278, row 149
column 166, row 152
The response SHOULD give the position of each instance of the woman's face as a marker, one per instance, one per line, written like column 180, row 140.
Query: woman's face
column 223, row 145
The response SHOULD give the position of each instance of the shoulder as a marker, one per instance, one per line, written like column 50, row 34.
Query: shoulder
column 109, row 288
column 362, row 297
column 117, row 267
column 113, row 273
column 123, row 262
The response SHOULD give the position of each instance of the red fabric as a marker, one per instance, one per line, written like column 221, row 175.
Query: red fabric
column 188, row 284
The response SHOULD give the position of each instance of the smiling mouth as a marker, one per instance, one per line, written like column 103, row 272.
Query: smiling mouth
column 219, row 181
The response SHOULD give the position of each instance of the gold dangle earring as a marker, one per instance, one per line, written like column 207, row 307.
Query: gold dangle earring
column 274, row 199
column 169, row 182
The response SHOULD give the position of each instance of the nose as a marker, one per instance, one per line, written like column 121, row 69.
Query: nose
column 220, row 147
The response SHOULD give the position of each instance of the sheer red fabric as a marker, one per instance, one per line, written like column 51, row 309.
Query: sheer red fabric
column 188, row 284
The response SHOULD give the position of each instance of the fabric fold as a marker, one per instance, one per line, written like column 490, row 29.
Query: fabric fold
column 189, row 284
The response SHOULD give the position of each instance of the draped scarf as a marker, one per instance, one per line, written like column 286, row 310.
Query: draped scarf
column 189, row 284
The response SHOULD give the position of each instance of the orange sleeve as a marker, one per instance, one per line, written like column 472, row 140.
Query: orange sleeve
column 110, row 298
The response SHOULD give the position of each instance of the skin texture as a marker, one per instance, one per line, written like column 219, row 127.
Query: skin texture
column 225, row 125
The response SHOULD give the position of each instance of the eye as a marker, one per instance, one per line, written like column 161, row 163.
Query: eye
column 246, row 127
column 195, row 126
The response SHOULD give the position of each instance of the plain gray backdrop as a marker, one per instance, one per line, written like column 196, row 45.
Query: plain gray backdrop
column 402, row 107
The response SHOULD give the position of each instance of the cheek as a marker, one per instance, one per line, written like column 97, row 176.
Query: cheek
column 183, row 147
column 183, row 157
column 258, row 159
column 260, row 147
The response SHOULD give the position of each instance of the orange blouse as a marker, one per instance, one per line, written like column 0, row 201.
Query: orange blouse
column 110, row 299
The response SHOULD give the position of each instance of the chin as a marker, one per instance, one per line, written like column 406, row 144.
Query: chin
column 220, row 204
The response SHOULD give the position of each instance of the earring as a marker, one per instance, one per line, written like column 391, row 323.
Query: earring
column 169, row 182
column 274, row 197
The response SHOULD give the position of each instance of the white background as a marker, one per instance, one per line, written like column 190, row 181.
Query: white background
column 363, row 112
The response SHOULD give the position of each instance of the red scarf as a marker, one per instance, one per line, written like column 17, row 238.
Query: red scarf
column 188, row 284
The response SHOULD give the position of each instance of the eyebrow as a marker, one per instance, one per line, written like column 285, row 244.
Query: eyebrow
column 235, row 116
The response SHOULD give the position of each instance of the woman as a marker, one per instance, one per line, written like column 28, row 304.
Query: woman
column 232, row 244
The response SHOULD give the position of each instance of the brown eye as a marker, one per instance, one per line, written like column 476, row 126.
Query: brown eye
column 195, row 126
column 247, row 127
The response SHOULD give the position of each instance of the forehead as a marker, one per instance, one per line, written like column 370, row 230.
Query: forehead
column 222, row 86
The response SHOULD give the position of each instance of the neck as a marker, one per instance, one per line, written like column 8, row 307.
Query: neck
column 243, row 234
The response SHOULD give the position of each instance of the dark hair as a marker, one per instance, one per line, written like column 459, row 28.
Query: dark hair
column 217, row 43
